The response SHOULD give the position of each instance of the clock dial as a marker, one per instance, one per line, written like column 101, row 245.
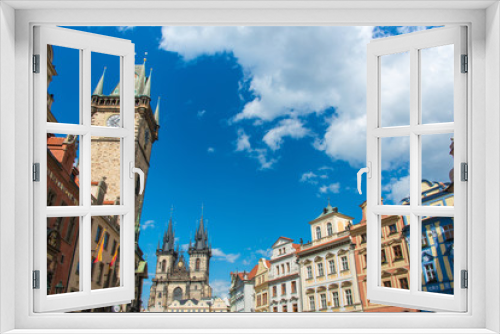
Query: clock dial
column 114, row 121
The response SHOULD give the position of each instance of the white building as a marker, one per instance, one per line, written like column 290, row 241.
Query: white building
column 241, row 293
column 328, row 266
column 284, row 280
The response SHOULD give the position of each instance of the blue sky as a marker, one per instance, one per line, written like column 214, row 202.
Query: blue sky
column 262, row 125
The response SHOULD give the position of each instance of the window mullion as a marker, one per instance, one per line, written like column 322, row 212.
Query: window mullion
column 415, row 159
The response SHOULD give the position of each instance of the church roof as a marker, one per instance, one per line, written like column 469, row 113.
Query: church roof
column 142, row 84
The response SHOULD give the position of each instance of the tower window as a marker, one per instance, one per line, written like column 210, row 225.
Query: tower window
column 318, row 232
column 329, row 229
column 197, row 266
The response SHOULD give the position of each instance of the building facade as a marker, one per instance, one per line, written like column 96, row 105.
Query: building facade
column 394, row 256
column 437, row 240
column 328, row 266
column 284, row 280
column 175, row 278
column 241, row 292
column 261, row 286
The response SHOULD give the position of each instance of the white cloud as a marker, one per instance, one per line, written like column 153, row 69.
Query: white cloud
column 293, row 128
column 309, row 177
column 210, row 150
column 396, row 189
column 220, row 288
column 200, row 113
column 243, row 141
column 259, row 154
column 125, row 28
column 331, row 188
column 265, row 252
column 185, row 247
column 220, row 255
column 304, row 71
column 148, row 224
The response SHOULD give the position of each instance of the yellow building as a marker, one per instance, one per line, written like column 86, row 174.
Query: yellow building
column 328, row 266
column 261, row 286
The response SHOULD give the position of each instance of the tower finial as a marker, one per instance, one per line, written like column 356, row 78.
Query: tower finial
column 147, row 89
column 171, row 211
column 201, row 209
column 98, row 89
column 157, row 112
column 329, row 201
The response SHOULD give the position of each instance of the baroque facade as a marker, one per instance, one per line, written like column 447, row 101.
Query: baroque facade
column 241, row 293
column 284, row 279
column 328, row 266
column 176, row 280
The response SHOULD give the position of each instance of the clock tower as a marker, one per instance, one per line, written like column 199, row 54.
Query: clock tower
column 105, row 152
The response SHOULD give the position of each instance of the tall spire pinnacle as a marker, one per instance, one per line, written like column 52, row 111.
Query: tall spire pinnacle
column 147, row 89
column 157, row 112
column 98, row 89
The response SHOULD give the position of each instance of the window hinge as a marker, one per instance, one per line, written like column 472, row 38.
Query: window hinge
column 36, row 63
column 36, row 172
column 36, row 279
column 465, row 64
column 465, row 279
column 464, row 171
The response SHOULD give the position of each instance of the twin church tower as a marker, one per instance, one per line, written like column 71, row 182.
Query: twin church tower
column 175, row 280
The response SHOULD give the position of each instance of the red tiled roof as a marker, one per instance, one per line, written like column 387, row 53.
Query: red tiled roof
column 323, row 244
column 108, row 202
column 296, row 246
column 268, row 263
column 94, row 183
column 252, row 273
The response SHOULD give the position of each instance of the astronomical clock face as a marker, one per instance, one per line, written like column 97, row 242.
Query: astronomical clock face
column 114, row 121
column 180, row 264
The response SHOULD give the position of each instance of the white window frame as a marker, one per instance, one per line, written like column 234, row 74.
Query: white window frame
column 413, row 43
column 85, row 43
column 483, row 19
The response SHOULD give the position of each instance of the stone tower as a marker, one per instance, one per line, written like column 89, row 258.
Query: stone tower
column 199, row 255
column 166, row 255
column 105, row 152
column 176, row 278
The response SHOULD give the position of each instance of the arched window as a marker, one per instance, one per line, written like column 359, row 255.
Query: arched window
column 329, row 229
column 177, row 293
column 318, row 232
column 164, row 265
column 197, row 264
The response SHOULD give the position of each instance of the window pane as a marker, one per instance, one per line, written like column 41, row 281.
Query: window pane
column 105, row 252
column 395, row 89
column 437, row 254
column 395, row 168
column 395, row 259
column 62, row 255
column 437, row 169
column 106, row 170
column 63, row 80
column 63, row 155
column 437, row 76
column 106, row 90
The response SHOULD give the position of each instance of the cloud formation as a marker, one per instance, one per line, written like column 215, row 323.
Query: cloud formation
column 333, row 188
column 218, row 254
column 148, row 224
column 220, row 288
column 267, row 253
column 259, row 154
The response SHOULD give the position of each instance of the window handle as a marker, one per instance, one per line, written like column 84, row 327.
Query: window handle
column 368, row 171
column 139, row 171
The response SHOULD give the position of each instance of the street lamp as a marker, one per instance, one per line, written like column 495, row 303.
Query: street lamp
column 59, row 287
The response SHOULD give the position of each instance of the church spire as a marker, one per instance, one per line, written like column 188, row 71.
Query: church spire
column 201, row 236
column 147, row 89
column 169, row 236
column 157, row 112
column 98, row 89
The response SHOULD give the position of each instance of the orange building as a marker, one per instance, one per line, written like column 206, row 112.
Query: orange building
column 395, row 259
